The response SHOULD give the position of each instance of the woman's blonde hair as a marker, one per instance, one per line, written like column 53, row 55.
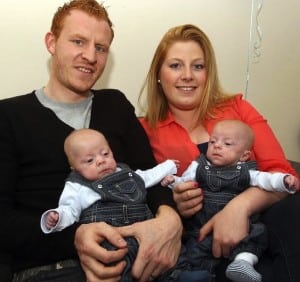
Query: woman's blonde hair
column 156, row 108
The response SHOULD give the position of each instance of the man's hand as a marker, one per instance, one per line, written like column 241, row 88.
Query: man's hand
column 159, row 243
column 94, row 258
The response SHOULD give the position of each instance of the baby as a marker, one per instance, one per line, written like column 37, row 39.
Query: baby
column 91, row 161
column 223, row 173
column 99, row 189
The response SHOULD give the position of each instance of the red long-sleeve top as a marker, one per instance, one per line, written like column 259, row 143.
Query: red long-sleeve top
column 169, row 140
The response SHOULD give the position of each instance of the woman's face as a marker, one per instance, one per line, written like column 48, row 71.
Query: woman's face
column 183, row 75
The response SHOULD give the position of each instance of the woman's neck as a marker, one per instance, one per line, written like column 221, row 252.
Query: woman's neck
column 188, row 120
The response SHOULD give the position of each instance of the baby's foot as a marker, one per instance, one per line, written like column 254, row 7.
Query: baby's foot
column 242, row 271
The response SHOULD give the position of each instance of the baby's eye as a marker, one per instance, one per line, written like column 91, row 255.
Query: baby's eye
column 89, row 160
column 105, row 153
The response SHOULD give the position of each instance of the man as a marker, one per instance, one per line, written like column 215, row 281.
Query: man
column 32, row 129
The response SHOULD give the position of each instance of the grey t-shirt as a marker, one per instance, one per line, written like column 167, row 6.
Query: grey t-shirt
column 76, row 115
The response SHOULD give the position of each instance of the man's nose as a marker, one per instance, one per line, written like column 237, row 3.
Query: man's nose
column 89, row 54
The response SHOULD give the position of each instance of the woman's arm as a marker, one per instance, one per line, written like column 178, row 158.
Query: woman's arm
column 236, row 216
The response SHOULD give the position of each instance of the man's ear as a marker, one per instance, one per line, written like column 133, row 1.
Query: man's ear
column 50, row 42
column 245, row 156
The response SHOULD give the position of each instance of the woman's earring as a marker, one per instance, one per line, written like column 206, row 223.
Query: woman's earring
column 158, row 81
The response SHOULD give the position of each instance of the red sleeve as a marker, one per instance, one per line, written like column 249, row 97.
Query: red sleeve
column 267, row 150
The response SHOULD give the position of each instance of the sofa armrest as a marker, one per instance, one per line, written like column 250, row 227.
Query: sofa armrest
column 296, row 166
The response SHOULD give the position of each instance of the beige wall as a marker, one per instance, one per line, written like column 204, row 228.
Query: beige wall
column 275, row 84
column 139, row 25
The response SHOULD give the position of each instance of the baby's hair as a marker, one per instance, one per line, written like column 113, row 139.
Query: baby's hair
column 69, row 144
column 241, row 126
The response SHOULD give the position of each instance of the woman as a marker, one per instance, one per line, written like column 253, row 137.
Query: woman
column 184, row 101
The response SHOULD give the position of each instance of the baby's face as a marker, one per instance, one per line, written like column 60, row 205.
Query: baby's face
column 94, row 159
column 226, row 146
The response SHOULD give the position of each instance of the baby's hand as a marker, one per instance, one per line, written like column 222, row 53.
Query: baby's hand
column 292, row 182
column 169, row 179
column 52, row 219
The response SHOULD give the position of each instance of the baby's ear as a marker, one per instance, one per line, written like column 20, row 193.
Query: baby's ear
column 245, row 156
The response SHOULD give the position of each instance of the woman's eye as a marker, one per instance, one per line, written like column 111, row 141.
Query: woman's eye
column 175, row 66
column 199, row 66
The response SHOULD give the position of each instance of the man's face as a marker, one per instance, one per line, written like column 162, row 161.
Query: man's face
column 80, row 52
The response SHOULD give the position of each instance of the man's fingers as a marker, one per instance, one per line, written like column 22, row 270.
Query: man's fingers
column 127, row 231
column 105, row 273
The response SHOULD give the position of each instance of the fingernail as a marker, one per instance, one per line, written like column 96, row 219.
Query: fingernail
column 122, row 241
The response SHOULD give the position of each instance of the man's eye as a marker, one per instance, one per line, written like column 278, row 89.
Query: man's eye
column 100, row 48
column 77, row 42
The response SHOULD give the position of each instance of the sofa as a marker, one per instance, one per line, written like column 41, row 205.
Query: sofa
column 296, row 166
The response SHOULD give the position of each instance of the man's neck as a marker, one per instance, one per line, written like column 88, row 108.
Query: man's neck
column 64, row 95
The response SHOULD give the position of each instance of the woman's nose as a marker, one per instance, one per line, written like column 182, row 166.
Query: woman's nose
column 187, row 74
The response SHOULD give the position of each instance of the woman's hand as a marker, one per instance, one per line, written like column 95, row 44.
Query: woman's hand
column 230, row 225
column 188, row 197
column 94, row 258
column 159, row 243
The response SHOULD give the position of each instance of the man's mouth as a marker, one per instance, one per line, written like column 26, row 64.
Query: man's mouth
column 85, row 70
